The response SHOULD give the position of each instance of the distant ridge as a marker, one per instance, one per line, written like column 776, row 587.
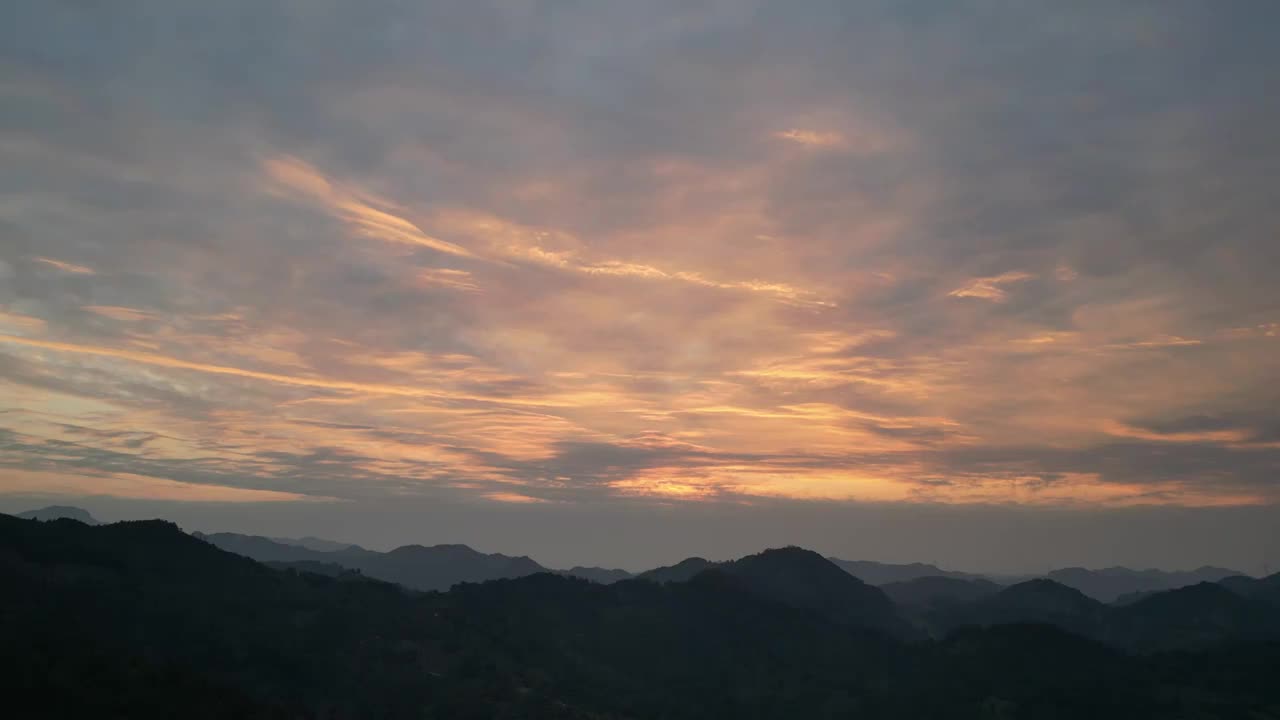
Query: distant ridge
column 1040, row 601
column 877, row 573
column 682, row 571
column 317, row 544
column 1105, row 585
column 1266, row 589
column 928, row 593
column 1194, row 616
column 439, row 567
column 60, row 512
column 1110, row 584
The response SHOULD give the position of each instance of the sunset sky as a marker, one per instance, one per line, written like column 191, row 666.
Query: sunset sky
column 617, row 282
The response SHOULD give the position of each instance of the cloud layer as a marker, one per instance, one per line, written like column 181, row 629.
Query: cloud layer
column 581, row 253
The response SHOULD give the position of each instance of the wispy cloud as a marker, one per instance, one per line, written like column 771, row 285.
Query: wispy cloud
column 815, row 138
column 367, row 215
column 66, row 267
column 991, row 288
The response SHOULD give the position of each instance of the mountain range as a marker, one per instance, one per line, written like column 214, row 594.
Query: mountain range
column 440, row 567
column 138, row 619
column 926, row 605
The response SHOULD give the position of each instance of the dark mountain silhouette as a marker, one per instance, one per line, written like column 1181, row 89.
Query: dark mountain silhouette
column 1241, row 584
column 1265, row 589
column 1196, row 616
column 439, row 567
column 1109, row 584
column 1039, row 601
column 1042, row 596
column 604, row 576
column 267, row 550
column 1105, row 585
column 140, row 620
column 682, row 571
column 875, row 573
column 929, row 593
column 57, row 512
column 805, row 580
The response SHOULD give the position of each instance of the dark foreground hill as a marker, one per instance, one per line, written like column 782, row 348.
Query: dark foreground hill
column 140, row 620
column 1193, row 617
column 805, row 580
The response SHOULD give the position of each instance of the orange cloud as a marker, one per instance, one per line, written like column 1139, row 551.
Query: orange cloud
column 66, row 267
column 169, row 362
column 1228, row 436
column 14, row 322
column 447, row 278
column 123, row 314
column 366, row 214
column 812, row 138
column 515, row 498
column 125, row 485
column 991, row 288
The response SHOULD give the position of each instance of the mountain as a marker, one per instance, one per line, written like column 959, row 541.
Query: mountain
column 682, row 571
column 928, row 593
column 1039, row 601
column 876, row 573
column 805, row 580
column 1108, row 584
column 1265, row 589
column 267, row 550
column 439, row 567
column 58, row 512
column 140, row 620
column 1201, row 615
column 317, row 544
column 1196, row 616
column 1105, row 585
column 604, row 576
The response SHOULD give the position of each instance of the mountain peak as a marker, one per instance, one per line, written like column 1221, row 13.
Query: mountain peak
column 1043, row 587
column 791, row 556
column 682, row 571
column 806, row 580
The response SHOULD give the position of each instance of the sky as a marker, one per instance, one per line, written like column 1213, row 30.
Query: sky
column 987, row 283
